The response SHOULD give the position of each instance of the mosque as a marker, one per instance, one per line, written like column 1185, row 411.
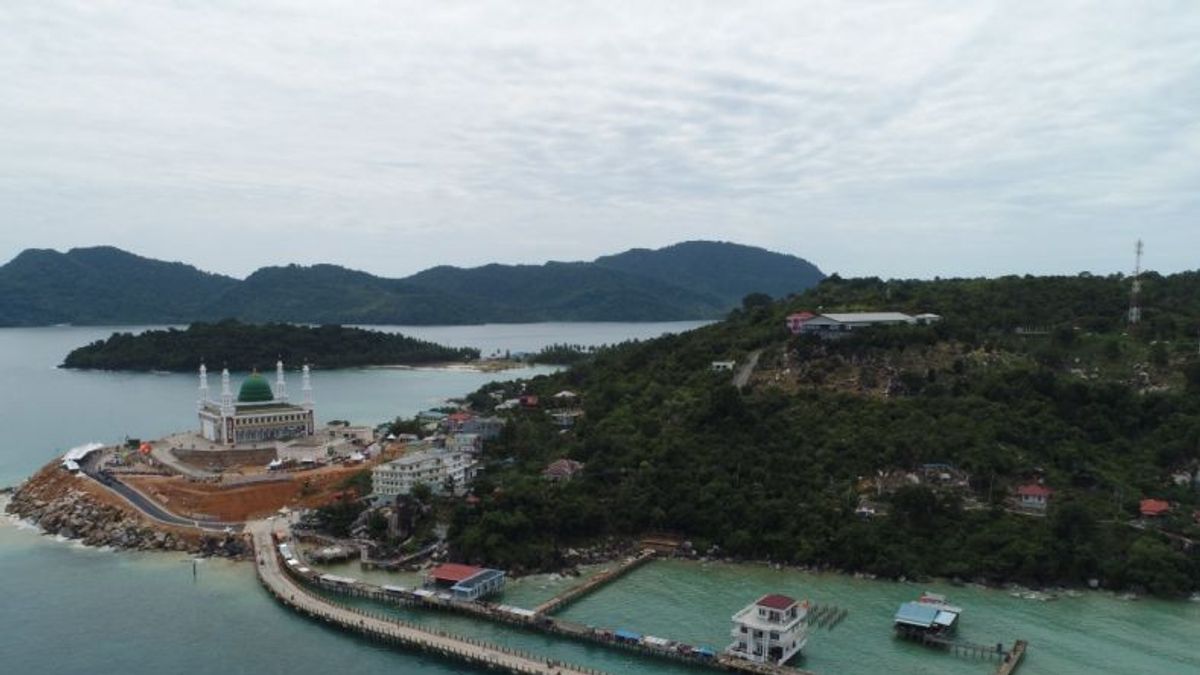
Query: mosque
column 258, row 415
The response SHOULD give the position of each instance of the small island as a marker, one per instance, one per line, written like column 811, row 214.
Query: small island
column 244, row 346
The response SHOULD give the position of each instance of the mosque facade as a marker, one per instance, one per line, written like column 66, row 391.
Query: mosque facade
column 258, row 414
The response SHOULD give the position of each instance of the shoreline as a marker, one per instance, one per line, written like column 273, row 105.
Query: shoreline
column 480, row 366
column 150, row 536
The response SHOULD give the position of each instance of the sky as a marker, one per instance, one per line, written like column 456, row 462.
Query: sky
column 906, row 138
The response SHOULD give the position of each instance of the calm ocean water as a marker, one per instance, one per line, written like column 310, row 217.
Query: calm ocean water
column 68, row 609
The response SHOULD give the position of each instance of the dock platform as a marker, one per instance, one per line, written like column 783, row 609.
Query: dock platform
column 1012, row 660
column 575, row 592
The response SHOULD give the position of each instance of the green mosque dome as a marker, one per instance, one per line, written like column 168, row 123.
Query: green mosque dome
column 255, row 390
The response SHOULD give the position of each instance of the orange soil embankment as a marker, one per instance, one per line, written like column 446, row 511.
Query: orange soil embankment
column 245, row 502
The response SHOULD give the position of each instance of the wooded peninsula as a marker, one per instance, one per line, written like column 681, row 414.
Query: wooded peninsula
column 244, row 346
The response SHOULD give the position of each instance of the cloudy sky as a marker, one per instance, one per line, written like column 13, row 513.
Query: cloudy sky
column 901, row 138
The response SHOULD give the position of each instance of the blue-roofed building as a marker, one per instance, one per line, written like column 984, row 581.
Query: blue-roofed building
column 930, row 614
column 481, row 584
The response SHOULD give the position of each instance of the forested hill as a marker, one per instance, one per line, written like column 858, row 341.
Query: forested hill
column 243, row 347
column 103, row 285
column 723, row 270
column 691, row 280
column 1102, row 415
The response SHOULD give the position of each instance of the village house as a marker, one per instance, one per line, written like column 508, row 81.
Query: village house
column 466, row 582
column 772, row 630
column 470, row 444
column 719, row 366
column 562, row 470
column 487, row 428
column 1153, row 508
column 1034, row 497
column 565, row 419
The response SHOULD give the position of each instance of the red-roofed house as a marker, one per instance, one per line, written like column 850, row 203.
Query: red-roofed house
column 452, row 573
column 775, row 601
column 1034, row 496
column 1154, row 508
column 772, row 630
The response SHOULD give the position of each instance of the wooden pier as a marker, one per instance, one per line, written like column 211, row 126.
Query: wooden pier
column 1012, row 660
column 393, row 631
column 575, row 592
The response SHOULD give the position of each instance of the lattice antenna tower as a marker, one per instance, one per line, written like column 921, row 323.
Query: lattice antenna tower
column 1135, row 302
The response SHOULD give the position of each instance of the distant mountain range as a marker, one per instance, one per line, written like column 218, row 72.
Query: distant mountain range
column 106, row 285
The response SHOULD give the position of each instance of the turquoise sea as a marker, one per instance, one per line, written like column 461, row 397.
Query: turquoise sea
column 65, row 608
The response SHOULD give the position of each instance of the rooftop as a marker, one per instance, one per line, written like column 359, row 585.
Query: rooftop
column 454, row 572
column 255, row 390
column 482, row 576
column 1034, row 490
column 917, row 614
column 1154, row 507
column 775, row 601
column 856, row 317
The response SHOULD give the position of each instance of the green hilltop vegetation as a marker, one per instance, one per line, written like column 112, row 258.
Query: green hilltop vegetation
column 241, row 346
column 105, row 285
column 1026, row 379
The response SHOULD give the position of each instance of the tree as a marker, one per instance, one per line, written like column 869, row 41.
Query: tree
column 421, row 492
column 756, row 300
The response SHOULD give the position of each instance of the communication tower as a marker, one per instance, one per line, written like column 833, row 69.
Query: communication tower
column 1135, row 306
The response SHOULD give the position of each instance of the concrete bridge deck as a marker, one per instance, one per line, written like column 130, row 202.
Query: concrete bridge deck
column 476, row 652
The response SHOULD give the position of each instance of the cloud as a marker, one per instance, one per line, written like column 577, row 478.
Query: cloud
column 907, row 138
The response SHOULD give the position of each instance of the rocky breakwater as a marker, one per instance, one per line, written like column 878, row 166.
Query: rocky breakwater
column 76, row 508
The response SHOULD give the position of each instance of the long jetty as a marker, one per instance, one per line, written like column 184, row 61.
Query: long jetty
column 302, row 576
column 376, row 626
column 612, row 574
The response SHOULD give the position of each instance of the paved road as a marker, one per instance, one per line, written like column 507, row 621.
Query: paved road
column 152, row 510
column 743, row 374
column 291, row 593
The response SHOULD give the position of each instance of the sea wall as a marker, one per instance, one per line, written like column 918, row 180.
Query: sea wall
column 224, row 459
column 66, row 505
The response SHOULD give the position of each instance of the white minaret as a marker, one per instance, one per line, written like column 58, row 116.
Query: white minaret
column 203, row 387
column 226, row 394
column 280, row 385
column 306, row 387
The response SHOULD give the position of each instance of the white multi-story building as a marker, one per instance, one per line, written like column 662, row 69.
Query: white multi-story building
column 772, row 630
column 442, row 470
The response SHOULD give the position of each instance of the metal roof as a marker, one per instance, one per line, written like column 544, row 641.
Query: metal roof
column 868, row 317
column 481, row 577
column 917, row 614
column 454, row 572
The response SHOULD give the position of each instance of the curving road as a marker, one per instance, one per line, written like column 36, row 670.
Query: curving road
column 152, row 510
